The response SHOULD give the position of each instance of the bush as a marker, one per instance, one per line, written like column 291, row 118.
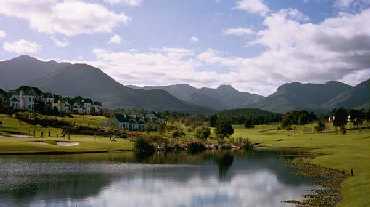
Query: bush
column 248, row 145
column 203, row 133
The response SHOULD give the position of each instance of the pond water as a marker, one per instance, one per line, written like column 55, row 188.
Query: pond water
column 122, row 179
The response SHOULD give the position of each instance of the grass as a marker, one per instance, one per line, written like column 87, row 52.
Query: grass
column 85, row 120
column 11, row 143
column 331, row 150
column 48, row 146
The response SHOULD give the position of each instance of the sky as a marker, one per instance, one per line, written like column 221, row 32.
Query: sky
column 254, row 45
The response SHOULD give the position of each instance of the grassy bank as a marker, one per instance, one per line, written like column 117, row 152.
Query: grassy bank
column 330, row 150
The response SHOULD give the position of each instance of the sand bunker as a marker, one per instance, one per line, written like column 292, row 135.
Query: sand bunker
column 67, row 144
column 20, row 136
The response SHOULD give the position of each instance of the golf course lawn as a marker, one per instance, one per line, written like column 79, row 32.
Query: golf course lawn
column 79, row 144
column 332, row 150
column 17, row 137
column 329, row 149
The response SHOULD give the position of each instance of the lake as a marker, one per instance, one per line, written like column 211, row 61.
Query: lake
column 123, row 179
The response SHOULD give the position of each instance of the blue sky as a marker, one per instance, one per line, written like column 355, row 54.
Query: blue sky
column 254, row 45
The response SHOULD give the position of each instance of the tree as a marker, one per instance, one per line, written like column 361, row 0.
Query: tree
column 213, row 120
column 203, row 133
column 297, row 117
column 249, row 123
column 286, row 124
column 320, row 126
column 368, row 116
column 357, row 117
column 224, row 129
column 341, row 119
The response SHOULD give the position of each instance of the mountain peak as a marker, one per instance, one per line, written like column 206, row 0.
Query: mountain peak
column 226, row 88
column 24, row 58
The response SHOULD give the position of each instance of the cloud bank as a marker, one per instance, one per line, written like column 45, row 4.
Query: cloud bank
column 69, row 18
column 337, row 48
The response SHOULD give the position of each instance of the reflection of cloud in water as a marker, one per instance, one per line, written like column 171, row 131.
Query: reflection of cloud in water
column 261, row 188
column 255, row 181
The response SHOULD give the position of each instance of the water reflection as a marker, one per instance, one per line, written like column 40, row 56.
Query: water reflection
column 117, row 180
column 224, row 162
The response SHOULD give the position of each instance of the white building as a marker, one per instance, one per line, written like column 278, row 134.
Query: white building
column 25, row 98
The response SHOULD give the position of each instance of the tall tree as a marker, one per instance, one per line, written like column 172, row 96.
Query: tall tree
column 357, row 117
column 341, row 119
column 224, row 129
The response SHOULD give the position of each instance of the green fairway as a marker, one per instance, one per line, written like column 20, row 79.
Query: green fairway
column 49, row 146
column 17, row 137
column 332, row 150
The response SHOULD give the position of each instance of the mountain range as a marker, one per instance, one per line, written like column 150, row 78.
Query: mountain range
column 316, row 97
column 84, row 80
column 221, row 98
column 88, row 81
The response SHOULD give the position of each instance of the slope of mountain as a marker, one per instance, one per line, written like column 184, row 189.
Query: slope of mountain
column 223, row 97
column 87, row 81
column 24, row 69
column 84, row 80
column 356, row 97
column 296, row 96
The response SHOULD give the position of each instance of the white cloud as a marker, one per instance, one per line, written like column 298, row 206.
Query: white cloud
column 126, row 2
column 115, row 39
column 344, row 3
column 239, row 31
column 2, row 34
column 295, row 50
column 22, row 47
column 59, row 42
column 155, row 67
column 65, row 17
column 194, row 39
column 253, row 6
column 349, row 3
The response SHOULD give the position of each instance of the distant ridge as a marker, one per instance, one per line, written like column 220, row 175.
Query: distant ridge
column 316, row 97
column 221, row 98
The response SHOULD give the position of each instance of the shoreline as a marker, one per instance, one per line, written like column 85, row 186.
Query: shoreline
column 328, row 180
